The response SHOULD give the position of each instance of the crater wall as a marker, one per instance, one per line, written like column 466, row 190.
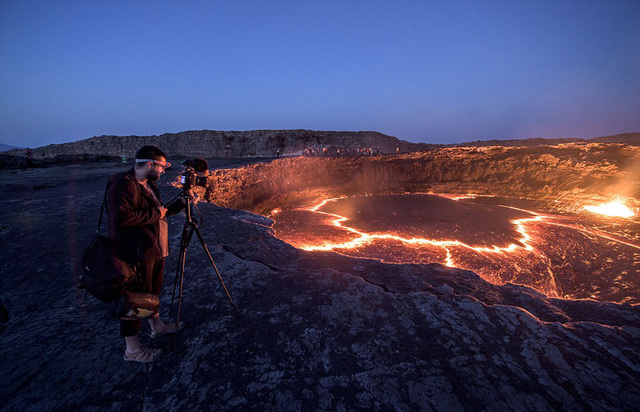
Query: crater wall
column 558, row 175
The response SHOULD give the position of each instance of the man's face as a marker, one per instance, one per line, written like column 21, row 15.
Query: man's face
column 156, row 168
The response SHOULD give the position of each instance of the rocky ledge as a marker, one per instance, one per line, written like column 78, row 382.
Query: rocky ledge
column 318, row 331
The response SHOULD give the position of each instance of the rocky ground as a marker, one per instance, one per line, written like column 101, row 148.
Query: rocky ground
column 318, row 331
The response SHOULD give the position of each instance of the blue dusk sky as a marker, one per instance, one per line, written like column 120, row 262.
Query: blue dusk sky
column 423, row 71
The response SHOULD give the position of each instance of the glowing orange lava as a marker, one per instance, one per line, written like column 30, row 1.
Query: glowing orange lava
column 559, row 255
column 365, row 238
column 454, row 197
column 615, row 208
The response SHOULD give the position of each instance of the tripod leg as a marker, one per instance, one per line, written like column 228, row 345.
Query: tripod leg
column 184, row 242
column 206, row 249
column 175, row 280
column 179, row 303
column 186, row 239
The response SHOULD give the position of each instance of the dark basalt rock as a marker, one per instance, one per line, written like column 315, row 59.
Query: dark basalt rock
column 319, row 331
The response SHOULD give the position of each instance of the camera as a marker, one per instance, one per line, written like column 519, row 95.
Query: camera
column 194, row 173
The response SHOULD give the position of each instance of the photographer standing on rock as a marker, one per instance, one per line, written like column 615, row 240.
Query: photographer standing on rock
column 137, row 223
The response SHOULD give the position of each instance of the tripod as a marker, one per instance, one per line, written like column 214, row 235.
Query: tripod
column 190, row 226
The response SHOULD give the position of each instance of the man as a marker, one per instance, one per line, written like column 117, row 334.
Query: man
column 137, row 223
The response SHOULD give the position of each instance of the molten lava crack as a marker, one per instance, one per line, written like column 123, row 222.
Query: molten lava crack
column 367, row 238
column 554, row 254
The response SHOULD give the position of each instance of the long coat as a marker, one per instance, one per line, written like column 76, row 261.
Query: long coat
column 134, row 217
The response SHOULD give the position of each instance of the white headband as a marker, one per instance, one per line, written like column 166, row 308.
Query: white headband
column 167, row 164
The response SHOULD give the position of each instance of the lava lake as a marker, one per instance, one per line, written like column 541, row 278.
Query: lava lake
column 501, row 239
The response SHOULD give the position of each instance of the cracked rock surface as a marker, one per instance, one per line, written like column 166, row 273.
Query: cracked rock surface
column 319, row 331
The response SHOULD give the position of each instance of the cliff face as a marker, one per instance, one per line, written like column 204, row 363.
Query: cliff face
column 568, row 172
column 210, row 143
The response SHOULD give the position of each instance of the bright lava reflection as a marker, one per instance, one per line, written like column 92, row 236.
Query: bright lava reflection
column 614, row 208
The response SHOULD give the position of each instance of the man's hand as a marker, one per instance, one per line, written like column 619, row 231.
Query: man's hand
column 163, row 211
column 194, row 198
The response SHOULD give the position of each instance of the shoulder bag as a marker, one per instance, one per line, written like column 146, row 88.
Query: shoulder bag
column 103, row 272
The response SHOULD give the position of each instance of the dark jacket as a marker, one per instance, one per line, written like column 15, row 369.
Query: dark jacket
column 134, row 216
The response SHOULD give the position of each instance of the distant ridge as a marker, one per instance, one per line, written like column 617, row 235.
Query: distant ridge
column 268, row 143
column 627, row 138
column 232, row 144
column 5, row 147
column 532, row 141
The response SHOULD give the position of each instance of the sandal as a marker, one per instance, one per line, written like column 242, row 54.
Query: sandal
column 168, row 329
column 144, row 355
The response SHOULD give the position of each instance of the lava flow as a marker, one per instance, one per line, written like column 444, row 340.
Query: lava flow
column 501, row 242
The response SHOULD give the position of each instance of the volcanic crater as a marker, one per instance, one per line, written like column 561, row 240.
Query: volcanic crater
column 511, row 215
